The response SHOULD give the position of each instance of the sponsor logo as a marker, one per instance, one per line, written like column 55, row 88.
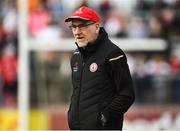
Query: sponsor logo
column 75, row 67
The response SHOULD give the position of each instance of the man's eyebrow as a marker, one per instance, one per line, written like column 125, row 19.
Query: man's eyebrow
column 77, row 24
column 84, row 23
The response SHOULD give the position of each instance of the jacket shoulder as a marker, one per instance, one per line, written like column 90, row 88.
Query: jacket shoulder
column 112, row 48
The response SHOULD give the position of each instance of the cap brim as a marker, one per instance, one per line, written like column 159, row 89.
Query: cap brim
column 75, row 17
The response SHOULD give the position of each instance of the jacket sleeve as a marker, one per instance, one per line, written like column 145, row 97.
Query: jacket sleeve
column 118, row 70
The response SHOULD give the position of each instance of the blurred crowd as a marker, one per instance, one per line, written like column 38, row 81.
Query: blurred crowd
column 146, row 19
column 8, row 53
column 156, row 74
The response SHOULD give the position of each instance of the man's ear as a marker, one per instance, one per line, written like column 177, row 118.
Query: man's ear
column 97, row 27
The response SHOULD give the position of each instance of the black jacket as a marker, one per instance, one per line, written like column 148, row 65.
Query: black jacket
column 102, row 84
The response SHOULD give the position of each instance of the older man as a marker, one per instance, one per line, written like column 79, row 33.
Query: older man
column 102, row 84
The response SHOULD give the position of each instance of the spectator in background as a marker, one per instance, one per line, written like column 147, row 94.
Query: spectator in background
column 10, row 20
column 65, row 73
column 8, row 52
column 167, row 19
column 57, row 9
column 39, row 19
column 104, row 8
column 115, row 24
column 82, row 3
column 9, row 26
column 157, row 7
column 175, row 66
column 176, row 7
column 6, row 6
column 155, row 28
column 143, row 8
column 159, row 70
column 137, row 28
column 1, row 88
column 2, row 37
column 143, row 5
column 8, row 71
column 141, row 79
column 33, row 4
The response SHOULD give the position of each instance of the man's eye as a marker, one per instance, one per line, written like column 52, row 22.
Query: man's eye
column 74, row 26
column 79, row 26
column 82, row 25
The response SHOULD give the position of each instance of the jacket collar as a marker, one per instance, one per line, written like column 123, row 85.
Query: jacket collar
column 91, row 47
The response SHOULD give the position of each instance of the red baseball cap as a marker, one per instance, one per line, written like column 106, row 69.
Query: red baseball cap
column 84, row 13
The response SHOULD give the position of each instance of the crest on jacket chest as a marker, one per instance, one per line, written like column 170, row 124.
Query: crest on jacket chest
column 93, row 67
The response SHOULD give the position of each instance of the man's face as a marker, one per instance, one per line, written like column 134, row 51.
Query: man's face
column 84, row 32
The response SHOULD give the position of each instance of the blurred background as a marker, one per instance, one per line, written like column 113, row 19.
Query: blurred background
column 147, row 30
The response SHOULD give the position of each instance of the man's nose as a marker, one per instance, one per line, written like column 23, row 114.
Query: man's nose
column 77, row 30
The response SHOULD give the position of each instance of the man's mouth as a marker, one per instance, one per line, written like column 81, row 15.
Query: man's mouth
column 80, row 37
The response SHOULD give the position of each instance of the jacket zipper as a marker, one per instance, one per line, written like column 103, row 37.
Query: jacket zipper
column 83, row 63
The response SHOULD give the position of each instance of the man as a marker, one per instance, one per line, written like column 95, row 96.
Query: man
column 102, row 85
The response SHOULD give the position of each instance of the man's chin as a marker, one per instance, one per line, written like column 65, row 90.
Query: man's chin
column 81, row 44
